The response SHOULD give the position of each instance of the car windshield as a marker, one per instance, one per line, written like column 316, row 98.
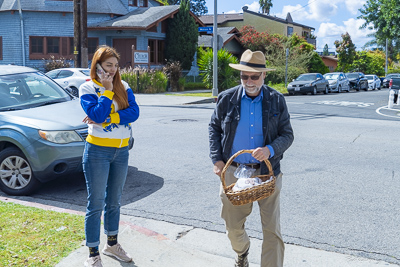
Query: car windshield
column 352, row 75
column 331, row 76
column 307, row 77
column 369, row 77
column 27, row 90
column 392, row 75
column 85, row 72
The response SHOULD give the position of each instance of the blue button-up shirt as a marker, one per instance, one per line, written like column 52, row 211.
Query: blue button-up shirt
column 249, row 132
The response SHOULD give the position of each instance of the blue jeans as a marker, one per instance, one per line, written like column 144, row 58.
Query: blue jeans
column 105, row 170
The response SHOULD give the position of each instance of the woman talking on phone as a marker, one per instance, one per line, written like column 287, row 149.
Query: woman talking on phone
column 110, row 107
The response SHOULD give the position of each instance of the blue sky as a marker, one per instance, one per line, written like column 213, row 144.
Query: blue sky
column 330, row 18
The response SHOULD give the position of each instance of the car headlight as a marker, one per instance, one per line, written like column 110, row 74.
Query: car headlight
column 60, row 137
column 334, row 82
column 308, row 84
column 289, row 85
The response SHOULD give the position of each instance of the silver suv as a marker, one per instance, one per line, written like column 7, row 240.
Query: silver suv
column 41, row 130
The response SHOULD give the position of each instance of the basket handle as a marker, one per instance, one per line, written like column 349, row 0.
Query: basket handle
column 229, row 162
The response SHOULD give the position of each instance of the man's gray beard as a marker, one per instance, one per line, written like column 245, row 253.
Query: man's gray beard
column 253, row 90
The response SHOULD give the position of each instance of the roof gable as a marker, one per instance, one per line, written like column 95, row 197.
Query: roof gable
column 141, row 18
column 98, row 6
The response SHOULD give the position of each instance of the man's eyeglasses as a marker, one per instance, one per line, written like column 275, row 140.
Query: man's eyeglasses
column 253, row 77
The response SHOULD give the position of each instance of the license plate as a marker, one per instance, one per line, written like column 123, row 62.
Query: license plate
column 297, row 89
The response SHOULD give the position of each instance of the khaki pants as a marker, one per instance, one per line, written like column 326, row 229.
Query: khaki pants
column 235, row 217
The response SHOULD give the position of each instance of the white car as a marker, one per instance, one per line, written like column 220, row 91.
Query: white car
column 70, row 78
column 373, row 82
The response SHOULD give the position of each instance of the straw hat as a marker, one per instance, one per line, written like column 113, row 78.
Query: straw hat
column 251, row 61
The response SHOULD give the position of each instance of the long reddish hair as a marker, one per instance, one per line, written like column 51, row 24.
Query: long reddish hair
column 102, row 54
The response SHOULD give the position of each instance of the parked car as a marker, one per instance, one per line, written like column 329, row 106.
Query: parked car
column 357, row 81
column 386, row 80
column 70, row 78
column 41, row 130
column 373, row 82
column 308, row 82
column 338, row 82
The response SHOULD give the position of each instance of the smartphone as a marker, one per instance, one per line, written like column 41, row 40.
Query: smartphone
column 99, row 70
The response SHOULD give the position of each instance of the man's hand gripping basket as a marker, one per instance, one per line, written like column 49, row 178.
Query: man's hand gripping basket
column 254, row 193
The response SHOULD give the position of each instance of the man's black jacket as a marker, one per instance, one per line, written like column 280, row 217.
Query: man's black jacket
column 277, row 130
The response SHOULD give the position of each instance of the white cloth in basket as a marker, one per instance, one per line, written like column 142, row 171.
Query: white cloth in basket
column 243, row 183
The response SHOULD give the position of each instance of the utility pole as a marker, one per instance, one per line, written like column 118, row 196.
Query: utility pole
column 215, row 52
column 84, row 39
column 386, row 58
column 77, row 33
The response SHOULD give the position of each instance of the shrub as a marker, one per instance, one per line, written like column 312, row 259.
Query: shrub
column 53, row 63
column 173, row 71
column 194, row 86
column 142, row 80
column 227, row 77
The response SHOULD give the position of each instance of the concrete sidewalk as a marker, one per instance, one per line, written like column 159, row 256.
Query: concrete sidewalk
column 172, row 99
column 161, row 244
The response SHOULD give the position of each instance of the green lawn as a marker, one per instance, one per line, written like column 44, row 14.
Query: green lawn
column 36, row 237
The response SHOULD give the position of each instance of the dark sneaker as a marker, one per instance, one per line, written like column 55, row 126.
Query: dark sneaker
column 117, row 252
column 93, row 262
column 241, row 260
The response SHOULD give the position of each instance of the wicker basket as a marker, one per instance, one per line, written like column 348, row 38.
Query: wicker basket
column 254, row 193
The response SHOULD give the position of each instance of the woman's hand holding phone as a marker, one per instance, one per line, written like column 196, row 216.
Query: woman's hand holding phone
column 105, row 78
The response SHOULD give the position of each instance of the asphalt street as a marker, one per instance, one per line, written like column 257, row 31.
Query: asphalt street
column 340, row 183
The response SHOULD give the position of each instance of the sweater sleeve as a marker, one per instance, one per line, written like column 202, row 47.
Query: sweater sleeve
column 131, row 113
column 97, row 108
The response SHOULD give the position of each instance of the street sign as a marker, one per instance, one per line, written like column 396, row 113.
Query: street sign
column 206, row 29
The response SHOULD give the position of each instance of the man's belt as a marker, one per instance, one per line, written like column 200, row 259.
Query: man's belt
column 251, row 165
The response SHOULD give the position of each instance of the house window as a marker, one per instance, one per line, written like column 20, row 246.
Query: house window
column 132, row 2
column 156, row 51
column 289, row 31
column 144, row 3
column 1, row 47
column 37, row 45
column 42, row 47
column 53, row 45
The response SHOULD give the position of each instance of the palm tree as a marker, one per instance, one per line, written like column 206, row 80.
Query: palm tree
column 265, row 5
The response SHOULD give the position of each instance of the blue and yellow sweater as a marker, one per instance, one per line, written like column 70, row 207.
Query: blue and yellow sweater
column 98, row 104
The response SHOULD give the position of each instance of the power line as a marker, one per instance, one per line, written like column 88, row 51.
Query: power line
column 304, row 6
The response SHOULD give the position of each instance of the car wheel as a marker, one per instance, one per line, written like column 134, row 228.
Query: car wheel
column 16, row 175
column 379, row 88
column 314, row 90
column 366, row 88
column 339, row 90
column 75, row 91
column 326, row 90
column 358, row 87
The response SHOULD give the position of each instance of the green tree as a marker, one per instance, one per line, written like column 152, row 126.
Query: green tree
column 317, row 65
column 325, row 52
column 227, row 76
column 382, row 16
column 181, row 37
column 265, row 6
column 369, row 62
column 346, row 51
column 198, row 7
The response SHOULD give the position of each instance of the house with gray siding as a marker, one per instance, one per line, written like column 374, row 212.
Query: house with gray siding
column 33, row 30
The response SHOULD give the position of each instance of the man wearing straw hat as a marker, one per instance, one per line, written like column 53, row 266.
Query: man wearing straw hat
column 251, row 116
